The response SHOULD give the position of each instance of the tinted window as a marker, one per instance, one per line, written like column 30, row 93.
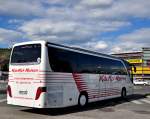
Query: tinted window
column 26, row 53
column 62, row 60
column 129, row 69
column 118, row 68
column 85, row 64
column 68, row 61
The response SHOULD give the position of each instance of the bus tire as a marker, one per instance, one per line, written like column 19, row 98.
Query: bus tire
column 82, row 100
column 123, row 93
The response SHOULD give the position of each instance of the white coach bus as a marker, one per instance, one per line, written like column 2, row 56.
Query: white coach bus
column 48, row 75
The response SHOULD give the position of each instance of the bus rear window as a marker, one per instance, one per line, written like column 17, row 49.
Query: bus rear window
column 26, row 54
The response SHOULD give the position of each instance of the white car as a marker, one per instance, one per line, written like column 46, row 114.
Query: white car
column 140, row 82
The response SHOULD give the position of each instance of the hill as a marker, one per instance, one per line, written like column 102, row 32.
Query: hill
column 4, row 58
column 4, row 53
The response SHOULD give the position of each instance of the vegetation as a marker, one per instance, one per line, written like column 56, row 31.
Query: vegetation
column 4, row 58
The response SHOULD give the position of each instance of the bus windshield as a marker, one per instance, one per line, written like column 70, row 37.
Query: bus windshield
column 26, row 54
column 129, row 69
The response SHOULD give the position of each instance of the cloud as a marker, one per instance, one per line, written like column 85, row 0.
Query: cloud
column 99, row 9
column 9, row 36
column 97, row 45
column 21, row 8
column 138, row 35
column 101, row 45
column 77, row 22
column 115, row 9
column 62, row 30
column 139, row 8
column 68, row 30
column 133, row 41
column 15, row 21
column 117, row 49
column 94, row 3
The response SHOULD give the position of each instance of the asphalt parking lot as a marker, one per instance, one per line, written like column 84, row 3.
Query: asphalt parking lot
column 136, row 106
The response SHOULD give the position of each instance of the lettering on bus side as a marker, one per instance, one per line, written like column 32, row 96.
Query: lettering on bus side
column 105, row 77
column 25, row 70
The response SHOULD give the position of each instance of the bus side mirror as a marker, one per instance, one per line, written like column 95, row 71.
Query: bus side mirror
column 38, row 60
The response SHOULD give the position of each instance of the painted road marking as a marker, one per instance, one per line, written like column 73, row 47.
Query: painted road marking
column 141, row 101
column 3, row 100
column 148, row 96
column 146, row 101
column 136, row 102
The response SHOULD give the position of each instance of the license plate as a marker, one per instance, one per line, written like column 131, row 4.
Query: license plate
column 23, row 92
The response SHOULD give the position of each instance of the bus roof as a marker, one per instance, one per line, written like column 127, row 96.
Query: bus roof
column 29, row 42
column 84, row 50
column 69, row 47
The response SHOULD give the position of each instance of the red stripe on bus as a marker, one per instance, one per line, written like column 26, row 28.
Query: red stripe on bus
column 52, row 82
column 81, row 85
column 103, row 95
column 55, row 77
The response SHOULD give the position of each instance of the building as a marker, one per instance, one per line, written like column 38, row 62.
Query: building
column 141, row 60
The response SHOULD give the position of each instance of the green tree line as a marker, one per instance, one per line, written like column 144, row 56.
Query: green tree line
column 4, row 58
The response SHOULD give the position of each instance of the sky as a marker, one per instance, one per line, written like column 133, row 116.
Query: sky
column 107, row 26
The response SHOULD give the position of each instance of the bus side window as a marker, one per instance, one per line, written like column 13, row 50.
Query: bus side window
column 62, row 60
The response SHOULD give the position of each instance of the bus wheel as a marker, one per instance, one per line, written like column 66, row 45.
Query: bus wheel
column 83, row 100
column 123, row 93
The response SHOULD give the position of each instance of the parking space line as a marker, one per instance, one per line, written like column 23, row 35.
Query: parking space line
column 146, row 101
column 148, row 96
column 3, row 100
column 136, row 102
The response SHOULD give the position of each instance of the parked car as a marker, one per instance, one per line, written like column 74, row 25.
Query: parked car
column 140, row 82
